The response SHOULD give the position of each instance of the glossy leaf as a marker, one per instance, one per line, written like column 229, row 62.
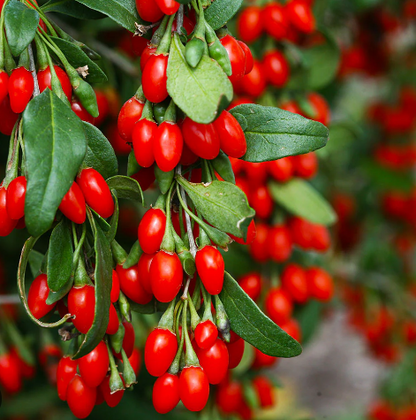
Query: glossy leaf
column 273, row 133
column 60, row 256
column 223, row 167
column 20, row 23
column 123, row 12
column 301, row 199
column 202, row 92
column 71, row 8
column 103, row 282
column 55, row 147
column 126, row 187
column 222, row 204
column 78, row 58
column 100, row 154
column 251, row 324
column 221, row 11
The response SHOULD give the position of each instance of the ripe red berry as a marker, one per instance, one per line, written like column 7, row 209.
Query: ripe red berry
column 259, row 250
column 16, row 194
column 235, row 352
column 251, row 235
column 80, row 398
column 135, row 360
column 210, row 266
column 151, row 230
column 214, row 360
column 147, row 52
column 292, row 328
column 154, row 78
column 202, row 139
column 166, row 393
column 281, row 170
column 294, row 282
column 37, row 296
column 130, row 113
column 160, row 350
column 249, row 59
column 229, row 397
column 45, row 80
column 194, row 388
column 8, row 117
column 300, row 14
column 264, row 391
column 96, row 192
column 276, row 68
column 67, row 369
column 166, row 275
column 206, row 334
column 275, row 21
column 21, row 87
column 73, row 205
column 278, row 306
column 279, row 243
column 142, row 137
column 111, row 399
column 113, row 322
column 320, row 284
column 262, row 360
column 250, row 24
column 251, row 283
column 167, row 146
column 81, row 112
column 131, row 285
column 4, row 85
column 262, row 202
column 237, row 57
column 81, row 303
column 115, row 287
column 231, row 135
column 93, row 366
column 306, row 166
column 10, row 378
column 168, row 7
column 143, row 266
column 149, row 10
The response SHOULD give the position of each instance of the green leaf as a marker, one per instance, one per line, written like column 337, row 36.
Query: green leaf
column 221, row 11
column 301, row 199
column 223, row 167
column 123, row 12
column 60, row 256
column 71, row 8
column 273, row 133
column 222, row 204
column 126, row 187
column 103, row 283
column 35, row 262
column 55, row 147
column 20, row 23
column 201, row 92
column 59, row 294
column 78, row 58
column 251, row 324
column 100, row 154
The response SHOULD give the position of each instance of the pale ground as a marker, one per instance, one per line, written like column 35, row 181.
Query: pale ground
column 335, row 376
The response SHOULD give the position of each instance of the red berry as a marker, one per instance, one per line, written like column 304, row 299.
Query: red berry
column 294, row 282
column 73, row 205
column 292, row 328
column 279, row 243
column 147, row 52
column 259, row 250
column 45, row 80
column 80, row 398
column 210, row 266
column 262, row 360
column 93, row 367
column 381, row 410
column 251, row 235
column 276, row 68
column 154, row 78
column 166, row 393
column 250, row 24
column 254, row 83
column 111, row 399
column 151, row 230
column 249, row 59
column 160, row 350
column 202, row 139
column 81, row 112
column 274, row 20
column 4, row 85
column 115, row 287
column 113, row 322
column 194, row 388
column 229, row 397
column 321, row 108
column 206, row 334
column 278, row 306
column 16, row 194
column 8, row 117
column 128, row 340
column 167, row 146
column 214, row 360
column 135, row 360
column 300, row 14
column 142, row 137
column 264, row 391
column 21, row 87
column 251, row 283
column 149, row 10
column 131, row 285
column 96, row 192
column 235, row 352
column 237, row 57
column 168, row 7
column 37, row 296
column 143, row 266
column 130, row 113
column 231, row 135
column 281, row 170
column 81, row 303
column 166, row 275
column 262, row 202
column 320, row 284
column 10, row 378
column 67, row 369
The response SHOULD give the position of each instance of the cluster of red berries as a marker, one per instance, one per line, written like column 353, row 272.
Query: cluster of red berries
column 89, row 188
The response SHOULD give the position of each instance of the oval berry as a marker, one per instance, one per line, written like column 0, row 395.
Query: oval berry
column 210, row 266
column 206, row 334
column 194, row 388
column 167, row 146
column 67, row 369
column 80, row 398
column 232, row 138
column 151, row 230
column 73, row 205
column 37, row 296
column 214, row 360
column 142, row 138
column 16, row 195
column 21, row 87
column 154, row 78
column 166, row 393
column 128, row 116
column 131, row 286
column 45, row 80
column 93, row 366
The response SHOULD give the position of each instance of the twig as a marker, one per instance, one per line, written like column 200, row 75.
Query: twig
column 179, row 19
column 36, row 90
